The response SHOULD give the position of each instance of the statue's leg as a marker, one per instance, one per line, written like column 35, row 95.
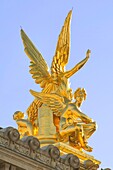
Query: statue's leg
column 74, row 138
column 56, row 121
column 80, row 136
column 82, row 140
column 77, row 139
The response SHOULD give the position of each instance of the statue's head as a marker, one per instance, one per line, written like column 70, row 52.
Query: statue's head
column 18, row 115
column 80, row 95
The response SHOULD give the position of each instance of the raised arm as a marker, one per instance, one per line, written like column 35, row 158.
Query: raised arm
column 78, row 66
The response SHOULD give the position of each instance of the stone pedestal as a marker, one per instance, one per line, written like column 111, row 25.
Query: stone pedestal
column 47, row 130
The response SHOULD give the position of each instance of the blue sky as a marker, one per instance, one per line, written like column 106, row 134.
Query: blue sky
column 91, row 28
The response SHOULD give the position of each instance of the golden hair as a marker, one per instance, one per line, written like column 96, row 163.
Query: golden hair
column 78, row 91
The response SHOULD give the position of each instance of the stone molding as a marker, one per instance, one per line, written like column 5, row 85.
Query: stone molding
column 27, row 154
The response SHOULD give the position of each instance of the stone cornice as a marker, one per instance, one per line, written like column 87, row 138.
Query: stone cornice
column 27, row 153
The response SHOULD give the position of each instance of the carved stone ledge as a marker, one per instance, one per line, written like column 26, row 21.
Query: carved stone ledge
column 71, row 160
column 90, row 165
column 32, row 142
column 27, row 153
column 51, row 151
column 10, row 133
column 105, row 169
column 29, row 147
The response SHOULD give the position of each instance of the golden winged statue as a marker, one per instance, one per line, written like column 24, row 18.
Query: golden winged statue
column 76, row 127
column 56, row 81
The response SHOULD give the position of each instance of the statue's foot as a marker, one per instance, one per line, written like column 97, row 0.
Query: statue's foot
column 58, row 136
column 88, row 148
column 75, row 145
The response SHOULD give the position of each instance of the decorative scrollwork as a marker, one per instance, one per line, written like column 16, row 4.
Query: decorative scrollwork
column 32, row 142
column 52, row 151
column 90, row 165
column 14, row 135
column 11, row 133
column 72, row 160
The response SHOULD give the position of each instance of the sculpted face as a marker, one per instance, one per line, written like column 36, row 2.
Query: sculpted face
column 80, row 95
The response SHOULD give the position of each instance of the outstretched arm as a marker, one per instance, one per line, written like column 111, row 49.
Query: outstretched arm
column 78, row 113
column 78, row 66
column 82, row 116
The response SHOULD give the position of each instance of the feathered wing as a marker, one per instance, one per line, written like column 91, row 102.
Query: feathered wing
column 38, row 66
column 63, row 47
column 55, row 102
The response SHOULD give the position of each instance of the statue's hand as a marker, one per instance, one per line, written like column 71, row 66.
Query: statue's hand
column 64, row 126
column 87, row 120
column 88, row 53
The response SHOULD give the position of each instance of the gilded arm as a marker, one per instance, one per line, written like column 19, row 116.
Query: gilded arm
column 77, row 113
column 78, row 66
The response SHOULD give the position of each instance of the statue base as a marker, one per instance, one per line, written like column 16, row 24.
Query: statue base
column 47, row 130
column 65, row 149
column 47, row 140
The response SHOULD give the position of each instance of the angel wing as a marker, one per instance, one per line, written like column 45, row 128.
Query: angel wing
column 61, row 56
column 62, row 52
column 55, row 102
column 38, row 67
